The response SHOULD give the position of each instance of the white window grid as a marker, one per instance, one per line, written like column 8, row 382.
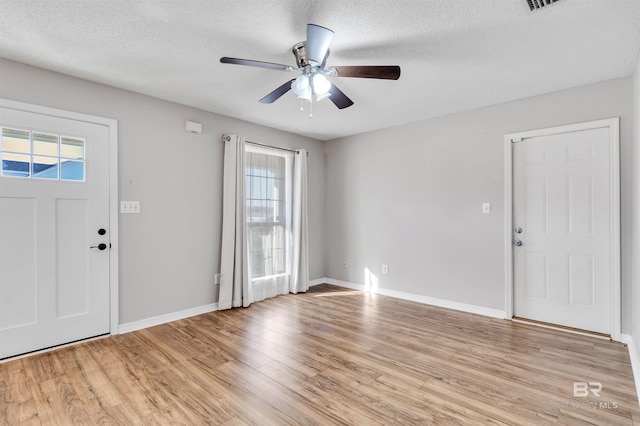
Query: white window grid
column 267, row 195
column 58, row 158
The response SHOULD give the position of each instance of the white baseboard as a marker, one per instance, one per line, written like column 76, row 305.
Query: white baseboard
column 473, row 309
column 345, row 284
column 317, row 282
column 174, row 316
column 163, row 319
column 635, row 360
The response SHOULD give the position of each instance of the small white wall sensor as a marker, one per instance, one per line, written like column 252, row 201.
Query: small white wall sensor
column 193, row 127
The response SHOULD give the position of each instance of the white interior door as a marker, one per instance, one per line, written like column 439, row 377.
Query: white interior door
column 562, row 204
column 54, row 206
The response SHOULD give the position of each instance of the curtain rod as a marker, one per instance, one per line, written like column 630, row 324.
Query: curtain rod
column 275, row 147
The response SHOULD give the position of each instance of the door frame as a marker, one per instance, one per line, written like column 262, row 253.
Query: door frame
column 113, row 190
column 613, row 124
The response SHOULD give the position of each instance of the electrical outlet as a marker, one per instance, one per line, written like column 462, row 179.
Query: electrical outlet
column 385, row 269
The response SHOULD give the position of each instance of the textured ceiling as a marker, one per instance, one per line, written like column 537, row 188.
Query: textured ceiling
column 454, row 54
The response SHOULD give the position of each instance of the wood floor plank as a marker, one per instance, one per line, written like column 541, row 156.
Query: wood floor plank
column 17, row 405
column 78, row 359
column 143, row 352
column 171, row 415
column 12, row 372
column 319, row 392
column 329, row 356
column 496, row 407
column 58, row 404
column 142, row 393
column 43, row 367
column 236, row 421
column 95, row 390
column 248, row 406
column 274, row 394
column 192, row 398
column 121, row 414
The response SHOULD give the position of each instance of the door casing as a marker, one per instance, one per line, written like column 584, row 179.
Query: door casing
column 613, row 124
column 113, row 190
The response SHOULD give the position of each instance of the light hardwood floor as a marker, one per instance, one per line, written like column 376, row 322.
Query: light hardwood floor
column 331, row 356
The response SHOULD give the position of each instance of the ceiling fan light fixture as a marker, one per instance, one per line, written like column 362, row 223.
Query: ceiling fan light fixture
column 321, row 85
column 323, row 96
column 305, row 95
column 302, row 87
column 301, row 83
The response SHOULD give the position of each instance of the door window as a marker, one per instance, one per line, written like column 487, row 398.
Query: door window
column 27, row 154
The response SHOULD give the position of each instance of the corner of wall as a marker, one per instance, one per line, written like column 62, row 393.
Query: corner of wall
column 634, row 356
column 634, row 345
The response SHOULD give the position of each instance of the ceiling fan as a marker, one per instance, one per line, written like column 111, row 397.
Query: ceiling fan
column 311, row 58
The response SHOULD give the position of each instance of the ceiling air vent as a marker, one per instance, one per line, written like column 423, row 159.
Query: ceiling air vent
column 538, row 4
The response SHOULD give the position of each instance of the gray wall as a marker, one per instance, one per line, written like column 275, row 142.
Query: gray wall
column 636, row 212
column 170, row 252
column 411, row 196
column 408, row 196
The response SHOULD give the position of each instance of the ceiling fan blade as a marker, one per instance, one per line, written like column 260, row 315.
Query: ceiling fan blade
column 276, row 94
column 318, row 41
column 385, row 72
column 338, row 98
column 260, row 64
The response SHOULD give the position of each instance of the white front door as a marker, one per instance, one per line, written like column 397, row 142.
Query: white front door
column 54, row 231
column 562, row 229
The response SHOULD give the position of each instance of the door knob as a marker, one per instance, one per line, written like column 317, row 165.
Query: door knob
column 517, row 243
column 102, row 231
column 100, row 246
column 518, row 230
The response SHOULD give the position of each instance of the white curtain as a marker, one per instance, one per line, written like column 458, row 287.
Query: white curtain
column 235, row 284
column 268, row 287
column 299, row 281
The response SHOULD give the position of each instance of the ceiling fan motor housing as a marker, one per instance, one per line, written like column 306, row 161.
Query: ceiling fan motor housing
column 300, row 52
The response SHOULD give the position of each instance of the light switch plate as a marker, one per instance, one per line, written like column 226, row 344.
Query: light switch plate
column 129, row 206
column 486, row 208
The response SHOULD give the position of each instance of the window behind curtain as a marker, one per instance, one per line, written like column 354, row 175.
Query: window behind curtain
column 266, row 198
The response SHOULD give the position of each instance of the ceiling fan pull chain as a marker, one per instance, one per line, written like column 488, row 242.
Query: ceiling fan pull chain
column 311, row 109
